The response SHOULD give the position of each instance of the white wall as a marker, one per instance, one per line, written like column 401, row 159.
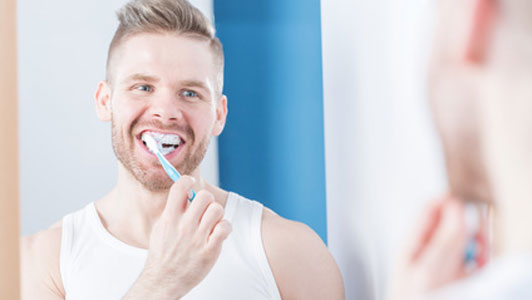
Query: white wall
column 66, row 158
column 383, row 160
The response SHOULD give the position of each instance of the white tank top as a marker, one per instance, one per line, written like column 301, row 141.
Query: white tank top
column 96, row 265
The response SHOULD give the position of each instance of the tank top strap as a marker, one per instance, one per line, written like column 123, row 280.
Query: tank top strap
column 71, row 230
column 66, row 246
column 247, row 216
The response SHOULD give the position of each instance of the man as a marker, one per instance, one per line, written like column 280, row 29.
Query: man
column 481, row 94
column 145, row 239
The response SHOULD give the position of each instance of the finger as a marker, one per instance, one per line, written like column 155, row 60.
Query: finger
column 197, row 208
column 445, row 252
column 482, row 238
column 483, row 249
column 424, row 231
column 213, row 214
column 220, row 232
column 177, row 201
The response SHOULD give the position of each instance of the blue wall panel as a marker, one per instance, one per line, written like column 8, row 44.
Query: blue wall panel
column 272, row 148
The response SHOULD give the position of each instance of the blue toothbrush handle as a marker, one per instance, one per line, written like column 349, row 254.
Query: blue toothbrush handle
column 172, row 172
column 471, row 251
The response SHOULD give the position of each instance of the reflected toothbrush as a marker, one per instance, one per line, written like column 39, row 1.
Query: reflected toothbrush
column 167, row 166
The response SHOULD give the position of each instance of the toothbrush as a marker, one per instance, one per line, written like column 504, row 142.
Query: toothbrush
column 167, row 166
column 471, row 215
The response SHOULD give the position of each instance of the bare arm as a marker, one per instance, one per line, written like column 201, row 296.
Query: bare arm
column 301, row 263
column 39, row 268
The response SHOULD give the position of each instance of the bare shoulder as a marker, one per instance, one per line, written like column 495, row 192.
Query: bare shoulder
column 301, row 263
column 40, row 275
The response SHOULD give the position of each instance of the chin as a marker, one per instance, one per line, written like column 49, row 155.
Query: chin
column 468, row 180
column 158, row 185
column 152, row 181
column 477, row 191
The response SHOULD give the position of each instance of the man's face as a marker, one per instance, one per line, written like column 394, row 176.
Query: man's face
column 163, row 85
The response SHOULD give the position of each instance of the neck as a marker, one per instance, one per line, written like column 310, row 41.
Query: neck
column 512, row 175
column 506, row 135
column 130, row 210
column 513, row 218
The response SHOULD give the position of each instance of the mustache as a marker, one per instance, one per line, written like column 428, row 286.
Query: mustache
column 157, row 124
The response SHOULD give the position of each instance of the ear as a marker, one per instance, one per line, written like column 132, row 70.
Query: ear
column 103, row 101
column 481, row 30
column 221, row 115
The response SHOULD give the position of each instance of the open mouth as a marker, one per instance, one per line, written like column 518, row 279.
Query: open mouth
column 167, row 143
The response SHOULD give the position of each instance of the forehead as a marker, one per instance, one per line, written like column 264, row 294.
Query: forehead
column 170, row 57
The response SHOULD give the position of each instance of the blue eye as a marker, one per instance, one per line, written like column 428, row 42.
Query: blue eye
column 190, row 94
column 144, row 88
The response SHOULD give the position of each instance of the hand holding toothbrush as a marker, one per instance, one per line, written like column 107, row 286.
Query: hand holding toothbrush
column 181, row 252
column 439, row 252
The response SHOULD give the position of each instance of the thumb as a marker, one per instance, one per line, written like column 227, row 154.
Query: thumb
column 445, row 253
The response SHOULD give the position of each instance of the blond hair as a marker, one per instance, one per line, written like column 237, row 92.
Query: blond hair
column 165, row 16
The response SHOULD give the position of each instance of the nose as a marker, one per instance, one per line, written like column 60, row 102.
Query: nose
column 166, row 108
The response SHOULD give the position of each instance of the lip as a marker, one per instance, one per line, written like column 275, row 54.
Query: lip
column 169, row 155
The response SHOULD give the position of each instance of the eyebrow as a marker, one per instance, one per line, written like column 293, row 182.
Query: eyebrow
column 195, row 83
column 142, row 77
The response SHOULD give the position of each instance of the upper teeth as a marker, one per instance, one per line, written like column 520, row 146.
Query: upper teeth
column 166, row 142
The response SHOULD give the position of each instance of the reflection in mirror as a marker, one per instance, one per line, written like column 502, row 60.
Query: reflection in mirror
column 130, row 232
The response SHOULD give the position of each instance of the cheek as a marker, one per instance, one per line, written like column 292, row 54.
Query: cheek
column 202, row 120
column 126, row 113
column 454, row 106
